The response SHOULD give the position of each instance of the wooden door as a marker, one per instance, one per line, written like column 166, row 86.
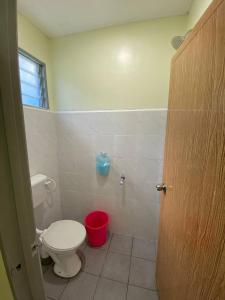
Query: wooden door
column 191, row 250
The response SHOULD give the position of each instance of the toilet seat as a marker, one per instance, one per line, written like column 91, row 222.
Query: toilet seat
column 64, row 235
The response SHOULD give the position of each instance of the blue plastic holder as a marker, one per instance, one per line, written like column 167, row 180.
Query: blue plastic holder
column 103, row 163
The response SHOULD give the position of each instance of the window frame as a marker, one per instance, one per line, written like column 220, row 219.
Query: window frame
column 44, row 101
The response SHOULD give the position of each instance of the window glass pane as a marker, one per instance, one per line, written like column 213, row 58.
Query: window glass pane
column 32, row 81
column 30, row 90
column 28, row 65
column 30, row 101
column 29, row 78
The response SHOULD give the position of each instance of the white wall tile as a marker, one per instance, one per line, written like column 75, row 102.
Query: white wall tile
column 125, row 146
column 64, row 146
column 103, row 143
column 134, row 140
column 42, row 153
column 151, row 146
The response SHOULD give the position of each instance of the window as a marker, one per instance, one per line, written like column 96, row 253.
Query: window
column 33, row 81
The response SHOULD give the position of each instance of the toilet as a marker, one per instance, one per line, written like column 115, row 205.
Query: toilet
column 61, row 239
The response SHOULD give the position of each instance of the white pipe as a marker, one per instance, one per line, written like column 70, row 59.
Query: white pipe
column 39, row 232
column 43, row 252
column 50, row 181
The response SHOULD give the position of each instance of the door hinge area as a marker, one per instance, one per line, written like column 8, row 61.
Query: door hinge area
column 16, row 269
column 34, row 248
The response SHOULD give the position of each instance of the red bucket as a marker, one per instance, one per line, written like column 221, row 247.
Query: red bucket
column 96, row 224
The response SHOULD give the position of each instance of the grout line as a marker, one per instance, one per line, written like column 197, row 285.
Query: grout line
column 69, row 279
column 96, row 288
column 99, row 276
column 118, row 252
column 141, row 287
column 128, row 281
column 151, row 260
column 114, row 280
column 60, row 295
column 66, row 285
column 101, row 271
column 144, row 288
column 107, row 251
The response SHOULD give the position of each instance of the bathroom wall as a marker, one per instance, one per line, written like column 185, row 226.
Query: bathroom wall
column 134, row 140
column 112, row 68
column 37, row 44
column 121, row 67
column 197, row 9
column 5, row 289
column 42, row 153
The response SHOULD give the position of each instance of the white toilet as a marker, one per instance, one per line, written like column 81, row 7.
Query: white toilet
column 61, row 239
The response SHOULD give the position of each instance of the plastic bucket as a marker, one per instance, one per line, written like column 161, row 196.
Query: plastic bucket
column 96, row 224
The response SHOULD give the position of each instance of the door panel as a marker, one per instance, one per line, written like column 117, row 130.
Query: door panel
column 219, row 86
column 194, row 67
column 191, row 250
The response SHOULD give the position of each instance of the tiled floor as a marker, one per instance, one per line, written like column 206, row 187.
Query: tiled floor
column 123, row 269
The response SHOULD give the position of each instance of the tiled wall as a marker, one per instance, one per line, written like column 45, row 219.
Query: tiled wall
column 64, row 146
column 42, row 153
column 134, row 140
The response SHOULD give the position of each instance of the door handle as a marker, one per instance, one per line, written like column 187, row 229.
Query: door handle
column 161, row 187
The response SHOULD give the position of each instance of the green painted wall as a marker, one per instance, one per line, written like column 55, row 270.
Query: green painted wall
column 124, row 67
column 118, row 67
column 36, row 43
column 5, row 290
column 197, row 9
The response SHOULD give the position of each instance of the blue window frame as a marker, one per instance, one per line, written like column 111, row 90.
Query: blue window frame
column 33, row 81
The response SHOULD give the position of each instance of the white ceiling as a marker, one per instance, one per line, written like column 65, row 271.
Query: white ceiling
column 62, row 17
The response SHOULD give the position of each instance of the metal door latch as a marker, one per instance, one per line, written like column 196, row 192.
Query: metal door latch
column 161, row 187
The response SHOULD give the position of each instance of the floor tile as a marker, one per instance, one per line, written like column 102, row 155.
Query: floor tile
column 117, row 267
column 106, row 246
column 94, row 260
column 81, row 287
column 136, row 293
column 142, row 273
column 54, row 286
column 110, row 290
column 83, row 246
column 121, row 244
column 144, row 249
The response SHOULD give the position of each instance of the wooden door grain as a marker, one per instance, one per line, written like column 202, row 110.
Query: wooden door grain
column 191, row 250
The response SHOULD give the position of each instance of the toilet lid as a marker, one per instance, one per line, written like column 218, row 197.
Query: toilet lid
column 64, row 235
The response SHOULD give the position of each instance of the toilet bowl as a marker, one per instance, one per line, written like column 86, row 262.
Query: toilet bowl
column 61, row 241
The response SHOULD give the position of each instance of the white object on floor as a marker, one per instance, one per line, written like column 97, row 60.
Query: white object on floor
column 61, row 239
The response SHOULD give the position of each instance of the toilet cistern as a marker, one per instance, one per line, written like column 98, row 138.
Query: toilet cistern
column 61, row 239
column 122, row 179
